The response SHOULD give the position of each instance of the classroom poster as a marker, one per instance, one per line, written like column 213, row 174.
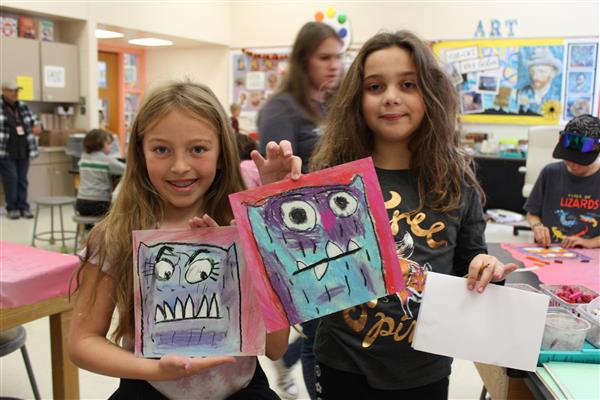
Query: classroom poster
column 521, row 81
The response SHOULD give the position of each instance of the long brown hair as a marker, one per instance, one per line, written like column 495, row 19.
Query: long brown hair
column 438, row 163
column 297, row 80
column 139, row 205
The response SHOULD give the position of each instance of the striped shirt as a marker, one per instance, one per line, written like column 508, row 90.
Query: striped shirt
column 95, row 171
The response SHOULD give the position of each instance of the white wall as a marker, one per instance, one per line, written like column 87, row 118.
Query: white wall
column 202, row 21
column 275, row 24
column 209, row 65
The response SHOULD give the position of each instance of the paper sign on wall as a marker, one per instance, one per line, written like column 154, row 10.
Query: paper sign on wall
column 26, row 85
column 465, row 53
column 255, row 80
column 54, row 76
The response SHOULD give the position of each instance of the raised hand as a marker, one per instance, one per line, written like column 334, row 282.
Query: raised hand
column 280, row 163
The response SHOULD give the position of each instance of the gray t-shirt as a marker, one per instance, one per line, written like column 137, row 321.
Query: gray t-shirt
column 95, row 171
column 283, row 119
column 374, row 339
column 568, row 205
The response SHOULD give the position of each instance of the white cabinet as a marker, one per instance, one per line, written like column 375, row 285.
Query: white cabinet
column 59, row 63
column 52, row 66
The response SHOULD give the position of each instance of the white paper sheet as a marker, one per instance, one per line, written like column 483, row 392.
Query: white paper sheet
column 501, row 326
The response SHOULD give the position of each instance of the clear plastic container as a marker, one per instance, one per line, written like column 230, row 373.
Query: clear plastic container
column 523, row 286
column 593, row 335
column 564, row 332
column 556, row 301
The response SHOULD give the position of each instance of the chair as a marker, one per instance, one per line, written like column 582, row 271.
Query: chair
column 13, row 339
column 83, row 220
column 541, row 143
column 52, row 202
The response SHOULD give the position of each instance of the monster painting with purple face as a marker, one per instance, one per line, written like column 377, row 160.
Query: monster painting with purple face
column 190, row 299
column 321, row 248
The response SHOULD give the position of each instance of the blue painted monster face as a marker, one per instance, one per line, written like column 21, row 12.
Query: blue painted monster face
column 190, row 299
column 319, row 248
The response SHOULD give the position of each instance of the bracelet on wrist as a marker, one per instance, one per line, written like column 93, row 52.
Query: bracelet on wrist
column 533, row 226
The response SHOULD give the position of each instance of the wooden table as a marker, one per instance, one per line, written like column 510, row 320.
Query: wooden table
column 30, row 292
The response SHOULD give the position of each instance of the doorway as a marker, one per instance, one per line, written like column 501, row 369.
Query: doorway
column 108, row 90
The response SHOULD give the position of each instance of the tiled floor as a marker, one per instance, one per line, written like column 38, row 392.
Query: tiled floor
column 464, row 381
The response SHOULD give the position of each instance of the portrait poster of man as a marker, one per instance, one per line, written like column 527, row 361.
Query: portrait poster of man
column 535, row 78
column 540, row 78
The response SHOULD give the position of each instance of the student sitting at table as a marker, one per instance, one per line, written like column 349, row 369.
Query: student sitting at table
column 564, row 205
column 96, row 169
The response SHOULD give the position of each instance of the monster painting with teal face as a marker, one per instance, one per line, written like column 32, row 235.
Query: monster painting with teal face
column 319, row 248
column 190, row 299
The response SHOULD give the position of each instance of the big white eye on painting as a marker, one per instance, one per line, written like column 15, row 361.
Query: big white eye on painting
column 200, row 270
column 343, row 204
column 163, row 270
column 299, row 215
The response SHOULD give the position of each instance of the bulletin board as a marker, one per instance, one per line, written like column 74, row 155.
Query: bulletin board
column 523, row 81
column 256, row 75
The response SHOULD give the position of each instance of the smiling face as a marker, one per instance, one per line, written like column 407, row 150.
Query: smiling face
column 319, row 247
column 325, row 65
column 182, row 156
column 190, row 299
column 392, row 104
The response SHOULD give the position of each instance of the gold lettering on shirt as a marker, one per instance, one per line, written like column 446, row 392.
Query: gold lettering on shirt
column 414, row 222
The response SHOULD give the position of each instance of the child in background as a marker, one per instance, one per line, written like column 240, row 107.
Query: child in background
column 96, row 169
column 396, row 105
column 564, row 205
column 182, row 163
column 235, row 109
column 250, row 175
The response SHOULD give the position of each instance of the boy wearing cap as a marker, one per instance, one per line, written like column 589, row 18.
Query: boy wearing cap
column 18, row 125
column 564, row 205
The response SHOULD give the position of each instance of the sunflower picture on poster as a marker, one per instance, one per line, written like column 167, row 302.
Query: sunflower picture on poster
column 516, row 81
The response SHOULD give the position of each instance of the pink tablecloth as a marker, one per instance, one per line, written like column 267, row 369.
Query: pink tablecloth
column 29, row 275
column 582, row 267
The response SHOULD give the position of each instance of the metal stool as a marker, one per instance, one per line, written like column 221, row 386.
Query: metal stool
column 13, row 339
column 83, row 220
column 52, row 201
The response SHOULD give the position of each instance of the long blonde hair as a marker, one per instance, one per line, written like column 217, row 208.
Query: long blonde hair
column 139, row 205
column 438, row 163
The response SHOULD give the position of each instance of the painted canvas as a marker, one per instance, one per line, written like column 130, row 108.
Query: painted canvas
column 317, row 245
column 193, row 294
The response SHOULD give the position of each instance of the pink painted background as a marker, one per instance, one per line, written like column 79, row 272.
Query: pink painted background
column 272, row 309
column 252, row 324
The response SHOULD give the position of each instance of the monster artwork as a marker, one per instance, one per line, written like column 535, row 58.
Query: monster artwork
column 193, row 295
column 317, row 245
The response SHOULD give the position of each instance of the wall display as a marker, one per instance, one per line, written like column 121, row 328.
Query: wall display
column 9, row 25
column 256, row 76
column 27, row 27
column 26, row 84
column 522, row 81
column 340, row 23
column 46, row 30
column 54, row 76
column 581, row 78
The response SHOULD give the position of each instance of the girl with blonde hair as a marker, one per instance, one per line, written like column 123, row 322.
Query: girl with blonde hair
column 182, row 163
